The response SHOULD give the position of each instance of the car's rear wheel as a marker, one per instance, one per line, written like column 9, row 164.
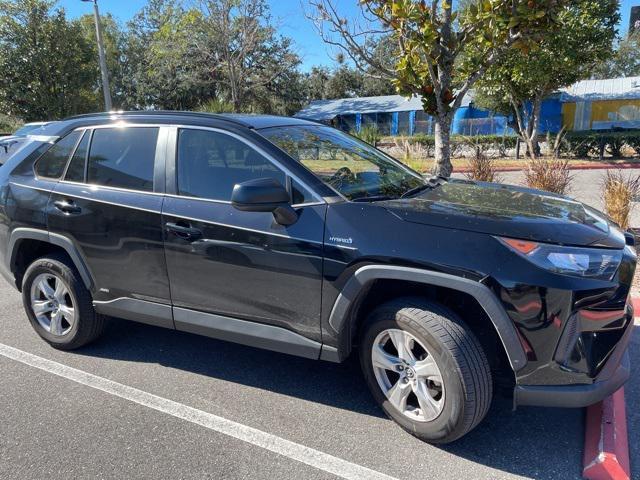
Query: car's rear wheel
column 426, row 369
column 58, row 304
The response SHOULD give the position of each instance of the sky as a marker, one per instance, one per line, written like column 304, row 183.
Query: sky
column 288, row 15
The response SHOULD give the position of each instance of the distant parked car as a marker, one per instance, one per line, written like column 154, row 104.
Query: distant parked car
column 11, row 143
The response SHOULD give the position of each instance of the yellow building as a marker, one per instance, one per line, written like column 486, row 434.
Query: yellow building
column 602, row 104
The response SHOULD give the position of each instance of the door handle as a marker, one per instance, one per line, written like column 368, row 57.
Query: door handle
column 184, row 231
column 67, row 206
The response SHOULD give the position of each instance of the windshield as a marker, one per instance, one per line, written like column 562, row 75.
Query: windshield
column 355, row 169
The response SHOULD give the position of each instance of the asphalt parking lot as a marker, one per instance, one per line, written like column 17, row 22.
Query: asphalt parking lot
column 281, row 414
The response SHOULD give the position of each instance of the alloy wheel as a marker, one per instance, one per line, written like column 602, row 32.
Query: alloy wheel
column 53, row 304
column 408, row 375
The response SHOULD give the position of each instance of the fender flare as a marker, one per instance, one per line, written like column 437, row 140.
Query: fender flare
column 65, row 243
column 340, row 319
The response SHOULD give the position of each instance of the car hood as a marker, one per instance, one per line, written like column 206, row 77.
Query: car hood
column 509, row 211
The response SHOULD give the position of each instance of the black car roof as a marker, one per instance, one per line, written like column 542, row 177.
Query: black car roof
column 189, row 118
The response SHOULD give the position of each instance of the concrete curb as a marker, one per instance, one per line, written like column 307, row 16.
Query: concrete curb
column 586, row 166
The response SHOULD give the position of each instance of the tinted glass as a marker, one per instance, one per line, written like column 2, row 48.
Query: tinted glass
column 75, row 172
column 123, row 157
column 354, row 168
column 211, row 163
column 52, row 163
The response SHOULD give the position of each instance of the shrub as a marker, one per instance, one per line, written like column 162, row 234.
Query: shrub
column 618, row 193
column 406, row 151
column 580, row 144
column 552, row 175
column 462, row 143
column 216, row 105
column 369, row 134
column 9, row 124
column 614, row 144
column 634, row 142
column 583, row 144
column 482, row 168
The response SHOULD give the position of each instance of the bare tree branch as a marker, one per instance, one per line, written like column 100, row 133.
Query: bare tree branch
column 357, row 39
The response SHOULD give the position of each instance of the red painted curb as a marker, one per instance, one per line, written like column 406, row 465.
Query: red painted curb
column 606, row 446
column 606, row 450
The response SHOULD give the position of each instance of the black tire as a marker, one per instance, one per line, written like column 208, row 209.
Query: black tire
column 87, row 325
column 466, row 376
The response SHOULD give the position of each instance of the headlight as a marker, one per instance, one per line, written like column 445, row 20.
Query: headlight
column 597, row 263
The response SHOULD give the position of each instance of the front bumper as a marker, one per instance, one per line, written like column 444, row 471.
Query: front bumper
column 573, row 396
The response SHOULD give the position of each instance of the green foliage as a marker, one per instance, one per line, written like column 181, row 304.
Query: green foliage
column 113, row 37
column 171, row 55
column 216, row 105
column 634, row 142
column 625, row 60
column 323, row 83
column 500, row 143
column 46, row 63
column 522, row 78
column 445, row 50
column 585, row 143
column 433, row 37
column 369, row 134
column 9, row 124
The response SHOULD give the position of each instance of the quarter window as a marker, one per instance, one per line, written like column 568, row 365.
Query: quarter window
column 75, row 171
column 53, row 162
column 123, row 157
column 211, row 163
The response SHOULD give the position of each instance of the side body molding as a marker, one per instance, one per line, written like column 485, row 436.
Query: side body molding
column 339, row 318
column 19, row 234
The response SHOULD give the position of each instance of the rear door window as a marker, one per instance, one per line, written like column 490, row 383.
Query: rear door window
column 123, row 157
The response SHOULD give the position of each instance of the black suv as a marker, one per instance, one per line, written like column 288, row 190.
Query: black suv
column 292, row 236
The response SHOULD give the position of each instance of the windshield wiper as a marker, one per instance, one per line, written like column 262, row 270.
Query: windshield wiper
column 373, row 198
column 433, row 182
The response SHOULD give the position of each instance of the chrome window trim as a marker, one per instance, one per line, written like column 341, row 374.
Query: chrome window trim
column 44, row 138
column 319, row 200
column 303, row 166
column 159, row 212
column 116, row 126
column 107, row 187
column 266, row 155
column 227, row 202
column 66, row 168
column 66, row 165
column 389, row 157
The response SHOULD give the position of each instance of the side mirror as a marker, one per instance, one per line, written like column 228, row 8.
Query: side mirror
column 264, row 195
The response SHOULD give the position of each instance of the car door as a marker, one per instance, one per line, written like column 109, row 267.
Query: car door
column 109, row 206
column 227, row 264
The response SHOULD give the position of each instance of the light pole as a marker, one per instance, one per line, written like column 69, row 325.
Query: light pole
column 103, row 61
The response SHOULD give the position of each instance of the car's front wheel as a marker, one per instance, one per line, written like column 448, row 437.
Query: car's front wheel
column 426, row 369
column 58, row 304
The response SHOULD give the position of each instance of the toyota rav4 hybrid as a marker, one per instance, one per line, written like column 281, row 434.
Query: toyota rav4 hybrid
column 289, row 235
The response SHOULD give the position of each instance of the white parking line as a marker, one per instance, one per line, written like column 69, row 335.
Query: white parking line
column 315, row 458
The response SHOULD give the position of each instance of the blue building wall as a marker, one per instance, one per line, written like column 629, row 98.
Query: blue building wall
column 468, row 120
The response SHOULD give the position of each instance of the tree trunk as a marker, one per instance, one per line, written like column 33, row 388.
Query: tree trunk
column 442, row 165
column 534, row 127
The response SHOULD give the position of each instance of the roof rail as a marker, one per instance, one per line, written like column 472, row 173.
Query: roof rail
column 160, row 113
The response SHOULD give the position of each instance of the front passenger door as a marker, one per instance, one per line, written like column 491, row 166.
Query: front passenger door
column 237, row 264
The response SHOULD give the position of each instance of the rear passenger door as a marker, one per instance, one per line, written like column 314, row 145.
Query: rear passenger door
column 109, row 204
column 233, row 264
